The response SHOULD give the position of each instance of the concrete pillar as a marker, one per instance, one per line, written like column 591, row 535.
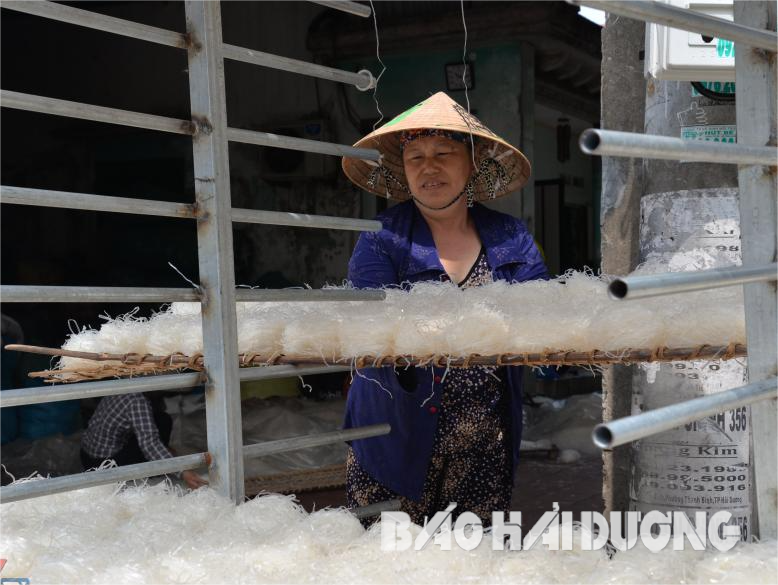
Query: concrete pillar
column 622, row 107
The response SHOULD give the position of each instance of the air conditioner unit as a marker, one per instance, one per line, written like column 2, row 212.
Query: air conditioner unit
column 679, row 55
column 282, row 164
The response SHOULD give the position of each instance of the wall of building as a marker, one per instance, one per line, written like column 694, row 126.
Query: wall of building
column 579, row 175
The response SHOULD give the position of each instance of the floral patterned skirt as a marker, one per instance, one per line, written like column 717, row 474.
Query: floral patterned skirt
column 472, row 457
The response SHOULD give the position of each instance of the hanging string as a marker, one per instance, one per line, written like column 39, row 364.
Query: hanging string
column 383, row 68
column 464, row 75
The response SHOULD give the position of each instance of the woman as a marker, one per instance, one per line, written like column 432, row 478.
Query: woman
column 454, row 439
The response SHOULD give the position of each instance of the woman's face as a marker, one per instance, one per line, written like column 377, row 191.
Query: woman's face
column 437, row 169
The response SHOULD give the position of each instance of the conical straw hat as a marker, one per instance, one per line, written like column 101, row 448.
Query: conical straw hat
column 437, row 111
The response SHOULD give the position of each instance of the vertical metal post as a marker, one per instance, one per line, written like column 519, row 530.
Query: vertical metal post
column 755, row 71
column 214, row 247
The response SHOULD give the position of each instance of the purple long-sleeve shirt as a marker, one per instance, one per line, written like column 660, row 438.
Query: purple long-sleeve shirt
column 402, row 253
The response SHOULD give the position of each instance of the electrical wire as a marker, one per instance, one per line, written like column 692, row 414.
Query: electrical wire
column 464, row 80
column 383, row 68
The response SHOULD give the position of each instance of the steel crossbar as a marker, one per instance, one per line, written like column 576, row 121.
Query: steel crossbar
column 638, row 287
column 362, row 80
column 354, row 8
column 94, row 20
column 97, row 389
column 55, row 485
column 630, row 144
column 80, row 390
column 11, row 293
column 47, row 105
column 304, row 144
column 89, row 202
column 317, row 440
column 633, row 428
column 86, row 201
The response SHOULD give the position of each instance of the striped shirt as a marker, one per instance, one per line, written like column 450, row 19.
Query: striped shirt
column 115, row 420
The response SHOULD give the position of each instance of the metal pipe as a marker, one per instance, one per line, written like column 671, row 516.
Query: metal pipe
column 685, row 19
column 304, row 220
column 283, row 371
column 363, row 80
column 345, row 6
column 12, row 293
column 317, row 146
column 80, row 390
column 57, row 107
column 85, row 201
column 629, row 144
column 101, row 22
column 65, row 483
column 68, row 200
column 638, row 287
column 376, row 509
column 631, row 428
column 266, row 295
column 317, row 440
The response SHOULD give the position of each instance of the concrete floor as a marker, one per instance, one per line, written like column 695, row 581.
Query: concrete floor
column 576, row 487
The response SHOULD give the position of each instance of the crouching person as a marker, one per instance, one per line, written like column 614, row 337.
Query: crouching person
column 130, row 428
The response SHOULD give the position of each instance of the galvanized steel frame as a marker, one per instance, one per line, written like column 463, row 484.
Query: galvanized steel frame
column 755, row 77
column 214, row 247
column 47, row 486
column 214, row 215
column 755, row 70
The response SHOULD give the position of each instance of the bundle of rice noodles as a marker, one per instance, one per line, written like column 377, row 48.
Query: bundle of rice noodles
column 570, row 313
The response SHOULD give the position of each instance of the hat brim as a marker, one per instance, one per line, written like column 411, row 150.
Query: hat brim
column 443, row 113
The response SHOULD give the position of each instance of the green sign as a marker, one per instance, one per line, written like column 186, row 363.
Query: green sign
column 725, row 48
column 717, row 86
column 712, row 133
